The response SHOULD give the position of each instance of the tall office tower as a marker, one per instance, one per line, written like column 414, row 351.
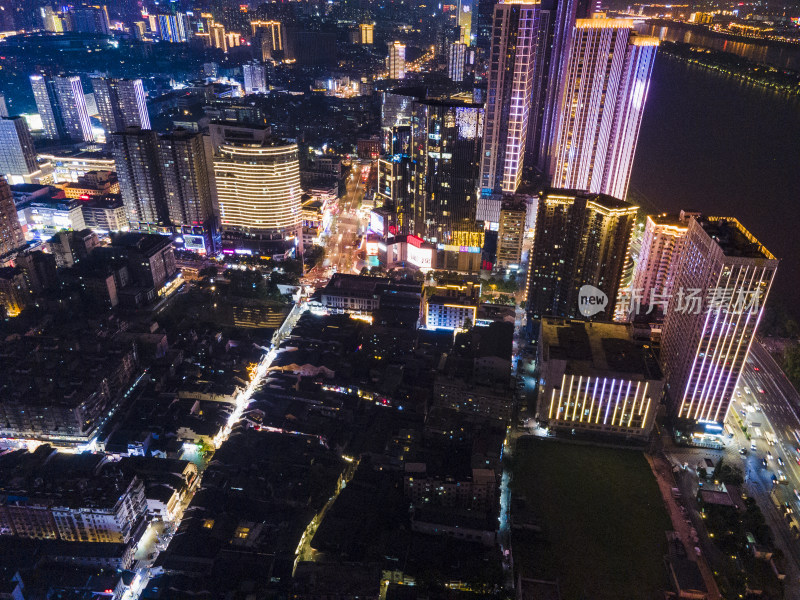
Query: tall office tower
column 121, row 103
column 62, row 106
column 184, row 173
column 581, row 239
column 367, row 33
column 255, row 78
column 508, row 99
column 88, row 19
column 3, row 106
column 270, row 36
column 17, row 154
column 722, row 282
column 11, row 236
column 605, row 87
column 445, row 157
column 457, row 56
column 656, row 269
column 137, row 163
column 258, row 186
column 396, row 61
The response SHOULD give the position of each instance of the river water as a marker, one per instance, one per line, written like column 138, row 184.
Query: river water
column 782, row 56
column 712, row 143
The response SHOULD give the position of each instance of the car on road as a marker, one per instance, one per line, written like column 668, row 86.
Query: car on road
column 787, row 508
column 781, row 476
column 764, row 462
column 743, row 451
column 753, row 446
column 697, row 550
column 761, row 391
column 780, row 461
column 756, row 369
column 797, row 494
column 774, row 479
column 769, row 455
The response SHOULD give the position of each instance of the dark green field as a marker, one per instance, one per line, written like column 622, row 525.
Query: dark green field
column 603, row 519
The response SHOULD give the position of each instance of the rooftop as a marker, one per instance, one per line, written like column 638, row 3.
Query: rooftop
column 597, row 348
column 733, row 238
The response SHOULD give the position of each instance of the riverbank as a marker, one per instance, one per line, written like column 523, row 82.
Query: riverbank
column 781, row 81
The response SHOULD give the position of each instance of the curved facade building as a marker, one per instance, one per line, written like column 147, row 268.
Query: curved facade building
column 258, row 187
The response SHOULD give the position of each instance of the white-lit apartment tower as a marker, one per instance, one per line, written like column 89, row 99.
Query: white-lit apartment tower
column 255, row 78
column 121, row 103
column 704, row 348
column 396, row 61
column 654, row 273
column 17, row 154
column 173, row 28
column 258, row 186
column 62, row 107
column 456, row 59
column 606, row 78
column 508, row 99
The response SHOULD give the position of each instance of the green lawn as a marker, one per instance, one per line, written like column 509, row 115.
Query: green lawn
column 602, row 516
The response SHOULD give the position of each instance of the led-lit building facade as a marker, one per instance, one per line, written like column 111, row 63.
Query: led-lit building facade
column 258, row 186
column 606, row 79
column 121, row 103
column 655, row 271
column 723, row 280
column 62, row 106
column 456, row 59
column 366, row 33
column 595, row 378
column 581, row 239
column 451, row 306
column 396, row 61
column 508, row 97
column 271, row 37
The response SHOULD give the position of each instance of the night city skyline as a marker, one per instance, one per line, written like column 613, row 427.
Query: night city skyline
column 358, row 299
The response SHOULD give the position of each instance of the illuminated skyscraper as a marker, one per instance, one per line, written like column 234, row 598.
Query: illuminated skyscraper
column 17, row 154
column 62, row 107
column 581, row 239
column 258, row 186
column 723, row 280
column 396, row 61
column 456, row 59
column 445, row 157
column 606, row 78
column 121, row 103
column 662, row 242
column 508, row 100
